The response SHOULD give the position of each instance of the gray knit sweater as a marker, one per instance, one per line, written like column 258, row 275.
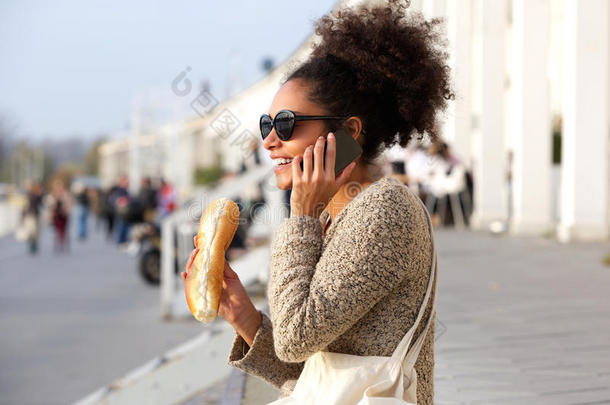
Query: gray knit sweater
column 355, row 290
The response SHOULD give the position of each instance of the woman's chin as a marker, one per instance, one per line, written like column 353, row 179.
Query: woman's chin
column 283, row 182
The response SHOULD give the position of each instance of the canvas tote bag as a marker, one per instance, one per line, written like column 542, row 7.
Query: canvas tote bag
column 345, row 379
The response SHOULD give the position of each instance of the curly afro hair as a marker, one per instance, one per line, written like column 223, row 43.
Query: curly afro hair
column 385, row 66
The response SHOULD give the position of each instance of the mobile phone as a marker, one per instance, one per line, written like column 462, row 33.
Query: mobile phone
column 348, row 150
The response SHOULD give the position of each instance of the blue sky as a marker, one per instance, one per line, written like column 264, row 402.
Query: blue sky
column 73, row 68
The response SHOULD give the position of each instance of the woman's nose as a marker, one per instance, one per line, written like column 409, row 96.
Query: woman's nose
column 271, row 140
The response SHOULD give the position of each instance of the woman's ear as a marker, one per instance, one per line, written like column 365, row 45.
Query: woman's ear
column 354, row 127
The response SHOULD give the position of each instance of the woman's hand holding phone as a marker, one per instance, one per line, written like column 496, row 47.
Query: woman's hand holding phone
column 315, row 184
column 347, row 150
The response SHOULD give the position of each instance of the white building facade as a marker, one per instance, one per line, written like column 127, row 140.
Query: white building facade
column 517, row 65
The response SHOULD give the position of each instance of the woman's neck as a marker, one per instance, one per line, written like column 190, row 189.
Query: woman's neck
column 359, row 178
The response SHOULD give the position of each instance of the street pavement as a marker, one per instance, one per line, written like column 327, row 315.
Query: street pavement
column 76, row 321
column 519, row 321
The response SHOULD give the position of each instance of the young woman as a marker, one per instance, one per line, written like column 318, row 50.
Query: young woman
column 350, row 266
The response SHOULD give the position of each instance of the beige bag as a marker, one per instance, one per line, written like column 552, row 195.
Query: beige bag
column 27, row 229
column 345, row 379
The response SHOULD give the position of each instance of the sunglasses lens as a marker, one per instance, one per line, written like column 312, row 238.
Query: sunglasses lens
column 266, row 125
column 284, row 122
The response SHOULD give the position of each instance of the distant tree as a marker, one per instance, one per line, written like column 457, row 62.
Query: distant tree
column 92, row 158
column 27, row 162
column 23, row 160
column 208, row 176
column 7, row 136
column 66, row 150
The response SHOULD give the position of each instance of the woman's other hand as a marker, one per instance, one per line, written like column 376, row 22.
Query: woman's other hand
column 235, row 307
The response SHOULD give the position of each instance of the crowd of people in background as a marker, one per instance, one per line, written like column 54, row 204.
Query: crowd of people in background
column 433, row 172
column 439, row 177
column 114, row 208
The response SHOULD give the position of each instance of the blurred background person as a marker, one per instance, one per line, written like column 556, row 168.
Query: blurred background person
column 166, row 199
column 96, row 205
column 395, row 164
column 83, row 205
column 416, row 166
column 148, row 199
column 119, row 197
column 442, row 183
column 31, row 216
column 107, row 210
column 59, row 205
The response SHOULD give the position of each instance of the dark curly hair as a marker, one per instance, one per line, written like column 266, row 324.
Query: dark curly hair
column 384, row 66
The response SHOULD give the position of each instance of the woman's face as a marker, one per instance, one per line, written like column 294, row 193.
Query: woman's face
column 293, row 96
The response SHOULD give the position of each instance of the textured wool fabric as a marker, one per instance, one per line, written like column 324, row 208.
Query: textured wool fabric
column 355, row 290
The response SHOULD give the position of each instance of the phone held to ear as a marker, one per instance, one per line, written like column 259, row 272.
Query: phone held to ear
column 348, row 150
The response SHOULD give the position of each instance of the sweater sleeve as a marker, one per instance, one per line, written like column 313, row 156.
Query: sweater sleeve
column 260, row 359
column 315, row 297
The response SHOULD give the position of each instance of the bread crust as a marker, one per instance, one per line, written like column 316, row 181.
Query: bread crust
column 217, row 227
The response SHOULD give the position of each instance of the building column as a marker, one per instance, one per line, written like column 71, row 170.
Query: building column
column 134, row 173
column 457, row 127
column 584, row 151
column 489, row 153
column 531, row 135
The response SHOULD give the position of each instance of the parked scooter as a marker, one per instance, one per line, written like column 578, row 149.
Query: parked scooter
column 146, row 245
column 147, row 239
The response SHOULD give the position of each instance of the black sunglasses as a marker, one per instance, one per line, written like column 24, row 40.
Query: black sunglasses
column 284, row 123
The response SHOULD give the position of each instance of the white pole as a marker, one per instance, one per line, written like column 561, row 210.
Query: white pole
column 168, row 282
column 457, row 128
column 489, row 154
column 584, row 150
column 531, row 118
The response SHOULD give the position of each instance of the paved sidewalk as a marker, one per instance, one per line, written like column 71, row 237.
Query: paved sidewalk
column 520, row 321
column 527, row 321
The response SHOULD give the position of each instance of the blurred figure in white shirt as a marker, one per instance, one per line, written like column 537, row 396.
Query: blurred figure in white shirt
column 444, row 185
column 436, row 175
column 418, row 167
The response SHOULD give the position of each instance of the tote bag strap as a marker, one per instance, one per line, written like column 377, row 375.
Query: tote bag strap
column 401, row 351
column 413, row 353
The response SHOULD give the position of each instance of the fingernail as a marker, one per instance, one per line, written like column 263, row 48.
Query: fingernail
column 331, row 135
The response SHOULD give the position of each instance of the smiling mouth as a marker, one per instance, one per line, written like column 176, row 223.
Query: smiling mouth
column 282, row 162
